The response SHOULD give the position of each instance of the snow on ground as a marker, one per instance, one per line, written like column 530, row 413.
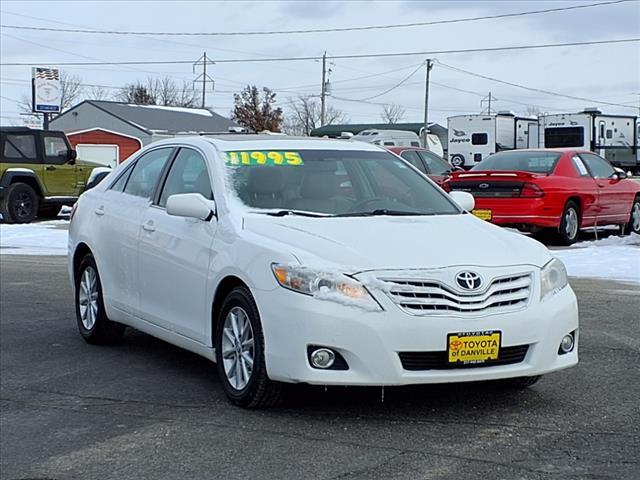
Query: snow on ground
column 614, row 258
column 41, row 238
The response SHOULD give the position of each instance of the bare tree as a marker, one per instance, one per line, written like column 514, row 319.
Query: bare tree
column 532, row 111
column 392, row 113
column 304, row 116
column 97, row 92
column 188, row 96
column 70, row 90
column 255, row 109
column 137, row 93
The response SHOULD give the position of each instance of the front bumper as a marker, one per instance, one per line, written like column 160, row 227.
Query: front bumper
column 370, row 342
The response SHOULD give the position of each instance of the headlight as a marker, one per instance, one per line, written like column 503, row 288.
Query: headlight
column 553, row 278
column 335, row 287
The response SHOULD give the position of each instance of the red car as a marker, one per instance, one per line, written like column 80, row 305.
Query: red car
column 427, row 162
column 564, row 190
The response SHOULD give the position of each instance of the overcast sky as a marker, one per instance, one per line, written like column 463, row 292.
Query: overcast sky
column 606, row 73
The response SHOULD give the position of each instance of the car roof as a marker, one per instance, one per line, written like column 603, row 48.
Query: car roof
column 285, row 142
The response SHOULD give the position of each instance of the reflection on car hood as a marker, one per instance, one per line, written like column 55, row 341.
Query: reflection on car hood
column 372, row 243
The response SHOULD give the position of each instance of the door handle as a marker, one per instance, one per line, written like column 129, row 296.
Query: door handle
column 99, row 211
column 50, row 167
column 601, row 185
column 149, row 227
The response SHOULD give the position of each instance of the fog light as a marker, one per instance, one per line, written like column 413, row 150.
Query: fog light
column 566, row 345
column 322, row 358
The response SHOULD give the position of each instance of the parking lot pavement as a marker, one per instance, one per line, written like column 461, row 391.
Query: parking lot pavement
column 145, row 409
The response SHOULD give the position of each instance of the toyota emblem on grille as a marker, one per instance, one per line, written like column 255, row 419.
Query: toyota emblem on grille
column 468, row 280
column 484, row 185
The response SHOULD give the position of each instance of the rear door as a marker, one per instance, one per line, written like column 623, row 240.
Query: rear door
column 60, row 176
column 119, row 214
column 175, row 254
column 614, row 195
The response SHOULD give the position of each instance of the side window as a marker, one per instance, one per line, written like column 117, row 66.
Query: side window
column 599, row 168
column 579, row 164
column 413, row 158
column 479, row 139
column 55, row 149
column 19, row 148
column 146, row 172
column 119, row 184
column 435, row 164
column 188, row 174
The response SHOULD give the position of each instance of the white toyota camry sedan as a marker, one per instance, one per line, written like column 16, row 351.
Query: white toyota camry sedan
column 328, row 262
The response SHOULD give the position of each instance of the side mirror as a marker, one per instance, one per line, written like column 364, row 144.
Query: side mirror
column 464, row 199
column 190, row 205
column 619, row 174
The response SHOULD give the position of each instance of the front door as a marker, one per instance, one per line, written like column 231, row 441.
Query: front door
column 175, row 255
column 60, row 176
column 614, row 197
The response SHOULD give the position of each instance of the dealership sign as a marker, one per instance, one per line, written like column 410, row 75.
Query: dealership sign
column 46, row 90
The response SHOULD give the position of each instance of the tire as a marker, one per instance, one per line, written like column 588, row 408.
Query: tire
column 20, row 204
column 457, row 160
column 634, row 222
column 93, row 324
column 48, row 211
column 569, row 228
column 238, row 345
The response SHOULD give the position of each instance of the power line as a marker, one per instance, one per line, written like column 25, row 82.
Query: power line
column 533, row 89
column 395, row 86
column 316, row 30
column 336, row 57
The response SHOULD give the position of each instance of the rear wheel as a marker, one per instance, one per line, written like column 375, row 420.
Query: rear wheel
column 240, row 353
column 569, row 224
column 20, row 204
column 93, row 324
column 634, row 222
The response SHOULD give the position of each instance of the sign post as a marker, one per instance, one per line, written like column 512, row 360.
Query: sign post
column 46, row 92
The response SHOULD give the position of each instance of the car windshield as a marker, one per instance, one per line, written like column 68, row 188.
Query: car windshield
column 525, row 161
column 333, row 182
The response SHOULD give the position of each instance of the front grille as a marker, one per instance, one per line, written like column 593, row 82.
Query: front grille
column 438, row 360
column 427, row 297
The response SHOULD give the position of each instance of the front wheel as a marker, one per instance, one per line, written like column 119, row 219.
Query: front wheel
column 93, row 324
column 240, row 353
column 569, row 224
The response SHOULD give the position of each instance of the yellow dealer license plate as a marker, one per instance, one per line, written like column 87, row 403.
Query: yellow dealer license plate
column 473, row 347
column 482, row 214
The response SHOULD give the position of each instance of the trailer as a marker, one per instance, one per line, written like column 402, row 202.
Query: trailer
column 614, row 137
column 472, row 138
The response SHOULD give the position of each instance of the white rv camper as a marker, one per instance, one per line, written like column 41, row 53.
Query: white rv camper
column 614, row 137
column 399, row 138
column 472, row 138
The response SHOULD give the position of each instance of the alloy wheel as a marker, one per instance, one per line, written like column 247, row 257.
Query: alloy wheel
column 88, row 298
column 571, row 223
column 635, row 217
column 237, row 348
column 23, row 205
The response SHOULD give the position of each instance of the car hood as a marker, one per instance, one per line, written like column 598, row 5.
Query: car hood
column 357, row 244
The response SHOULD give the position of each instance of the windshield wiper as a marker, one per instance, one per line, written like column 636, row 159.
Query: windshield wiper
column 284, row 213
column 382, row 211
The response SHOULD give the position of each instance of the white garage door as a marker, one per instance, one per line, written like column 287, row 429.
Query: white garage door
column 104, row 154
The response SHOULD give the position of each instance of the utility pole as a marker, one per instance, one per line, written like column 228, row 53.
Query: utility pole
column 323, row 90
column 489, row 98
column 45, row 121
column 204, row 77
column 489, row 103
column 425, row 129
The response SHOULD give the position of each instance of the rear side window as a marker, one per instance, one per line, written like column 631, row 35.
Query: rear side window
column 579, row 164
column 188, row 174
column 564, row 137
column 146, row 173
column 479, row 139
column 413, row 158
column 19, row 148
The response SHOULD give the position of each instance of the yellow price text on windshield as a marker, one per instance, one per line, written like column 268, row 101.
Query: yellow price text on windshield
column 263, row 157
